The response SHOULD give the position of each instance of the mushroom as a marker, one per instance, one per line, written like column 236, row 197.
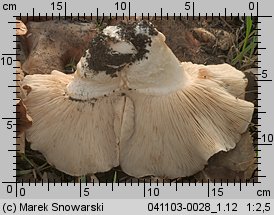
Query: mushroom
column 72, row 125
column 132, row 103
column 181, row 118
column 76, row 118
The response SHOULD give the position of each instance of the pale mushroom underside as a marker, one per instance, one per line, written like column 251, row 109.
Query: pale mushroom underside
column 76, row 137
column 169, row 136
column 175, row 134
column 228, row 77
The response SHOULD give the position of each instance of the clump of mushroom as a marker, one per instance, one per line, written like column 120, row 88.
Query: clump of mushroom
column 132, row 103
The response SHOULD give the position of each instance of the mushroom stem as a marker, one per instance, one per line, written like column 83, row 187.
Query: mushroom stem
column 149, row 75
column 88, row 84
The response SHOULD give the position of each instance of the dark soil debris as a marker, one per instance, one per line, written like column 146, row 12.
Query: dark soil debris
column 103, row 58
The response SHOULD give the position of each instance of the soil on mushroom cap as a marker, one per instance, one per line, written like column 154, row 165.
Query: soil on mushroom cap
column 140, row 41
column 103, row 58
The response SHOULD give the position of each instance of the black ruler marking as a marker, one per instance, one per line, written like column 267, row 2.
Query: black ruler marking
column 65, row 10
column 129, row 10
column 208, row 188
column 16, row 186
column 80, row 186
column 144, row 187
column 193, row 10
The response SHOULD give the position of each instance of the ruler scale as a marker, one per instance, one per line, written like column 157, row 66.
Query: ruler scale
column 143, row 196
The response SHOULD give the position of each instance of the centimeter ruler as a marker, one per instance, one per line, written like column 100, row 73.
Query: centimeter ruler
column 10, row 188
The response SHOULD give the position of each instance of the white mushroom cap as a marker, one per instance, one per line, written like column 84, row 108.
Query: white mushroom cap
column 180, row 120
column 77, row 137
